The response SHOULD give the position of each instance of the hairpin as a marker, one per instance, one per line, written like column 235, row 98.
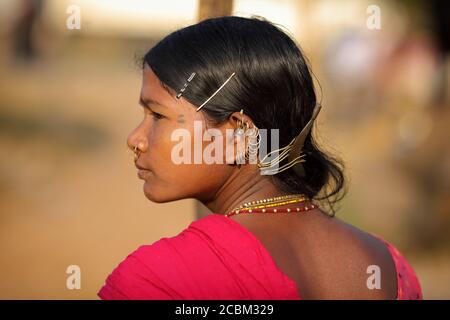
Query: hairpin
column 201, row 106
column 292, row 152
column 297, row 146
column 186, row 84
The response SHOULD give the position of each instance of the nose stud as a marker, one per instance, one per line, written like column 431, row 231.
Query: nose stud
column 136, row 152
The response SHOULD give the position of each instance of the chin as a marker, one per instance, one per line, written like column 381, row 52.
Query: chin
column 153, row 195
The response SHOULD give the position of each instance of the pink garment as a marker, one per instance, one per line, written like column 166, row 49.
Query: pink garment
column 216, row 258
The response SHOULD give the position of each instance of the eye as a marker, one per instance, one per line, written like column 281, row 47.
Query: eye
column 156, row 115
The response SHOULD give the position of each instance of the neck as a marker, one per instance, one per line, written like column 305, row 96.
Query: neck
column 244, row 185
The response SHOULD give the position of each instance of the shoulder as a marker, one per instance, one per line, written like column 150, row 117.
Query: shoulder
column 352, row 264
column 408, row 285
column 185, row 266
column 388, row 274
column 327, row 258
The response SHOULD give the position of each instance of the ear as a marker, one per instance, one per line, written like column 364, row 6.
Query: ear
column 237, row 118
column 236, row 142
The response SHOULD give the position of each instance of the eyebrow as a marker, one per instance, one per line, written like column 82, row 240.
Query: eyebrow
column 145, row 102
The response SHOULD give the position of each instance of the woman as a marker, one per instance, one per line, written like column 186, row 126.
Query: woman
column 268, row 236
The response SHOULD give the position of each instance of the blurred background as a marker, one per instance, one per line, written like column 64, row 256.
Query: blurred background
column 69, row 87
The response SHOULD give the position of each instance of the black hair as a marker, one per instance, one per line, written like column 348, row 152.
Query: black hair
column 273, row 84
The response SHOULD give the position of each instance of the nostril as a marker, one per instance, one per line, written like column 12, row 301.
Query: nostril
column 141, row 146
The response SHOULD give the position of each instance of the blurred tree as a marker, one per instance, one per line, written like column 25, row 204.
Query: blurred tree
column 214, row 8
column 24, row 45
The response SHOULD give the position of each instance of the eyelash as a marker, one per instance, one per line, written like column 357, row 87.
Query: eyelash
column 154, row 114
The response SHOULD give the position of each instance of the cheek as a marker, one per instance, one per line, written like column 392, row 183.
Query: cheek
column 199, row 178
column 187, row 177
column 159, row 145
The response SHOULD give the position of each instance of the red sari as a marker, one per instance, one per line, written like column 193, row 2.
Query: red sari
column 216, row 258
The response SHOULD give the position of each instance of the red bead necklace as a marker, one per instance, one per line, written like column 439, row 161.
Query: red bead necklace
column 272, row 210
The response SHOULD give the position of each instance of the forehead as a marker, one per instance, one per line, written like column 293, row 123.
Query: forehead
column 152, row 87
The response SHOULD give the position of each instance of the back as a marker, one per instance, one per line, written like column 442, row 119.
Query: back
column 329, row 259
column 217, row 257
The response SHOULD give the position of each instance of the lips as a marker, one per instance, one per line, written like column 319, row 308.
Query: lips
column 139, row 166
column 143, row 173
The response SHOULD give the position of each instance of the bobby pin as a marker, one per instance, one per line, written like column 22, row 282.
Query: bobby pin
column 216, row 91
column 185, row 85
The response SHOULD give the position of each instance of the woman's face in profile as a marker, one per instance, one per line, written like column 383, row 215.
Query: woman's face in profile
column 165, row 180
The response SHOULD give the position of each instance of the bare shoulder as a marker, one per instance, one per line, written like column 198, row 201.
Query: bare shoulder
column 326, row 257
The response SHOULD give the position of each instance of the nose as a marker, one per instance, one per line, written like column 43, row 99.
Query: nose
column 137, row 138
